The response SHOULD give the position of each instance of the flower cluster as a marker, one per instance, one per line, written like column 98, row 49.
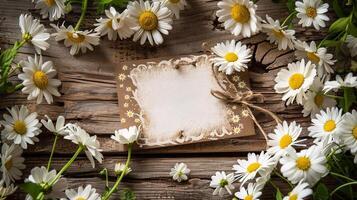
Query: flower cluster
column 309, row 82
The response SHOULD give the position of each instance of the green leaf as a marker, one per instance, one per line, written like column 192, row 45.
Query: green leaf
column 321, row 192
column 104, row 4
column 339, row 25
column 338, row 8
column 330, row 43
column 127, row 194
column 291, row 5
column 352, row 29
column 349, row 98
column 32, row 189
column 278, row 195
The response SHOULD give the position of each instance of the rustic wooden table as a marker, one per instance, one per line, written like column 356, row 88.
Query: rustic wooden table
column 89, row 98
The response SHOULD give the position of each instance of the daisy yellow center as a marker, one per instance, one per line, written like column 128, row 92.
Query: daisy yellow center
column 354, row 132
column 20, row 127
column 319, row 100
column 311, row 12
column 75, row 38
column 249, row 197
column 253, row 167
column 329, row 125
column 240, row 13
column 293, row 197
column 40, row 79
column 296, row 80
column 278, row 33
column 109, row 24
column 49, row 3
column 285, row 141
column 303, row 163
column 174, row 1
column 231, row 57
column 80, row 198
column 148, row 20
column 9, row 164
column 313, row 57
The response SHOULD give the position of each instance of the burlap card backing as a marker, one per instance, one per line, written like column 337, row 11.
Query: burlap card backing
column 171, row 101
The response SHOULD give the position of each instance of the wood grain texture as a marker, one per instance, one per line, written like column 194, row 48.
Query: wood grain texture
column 89, row 98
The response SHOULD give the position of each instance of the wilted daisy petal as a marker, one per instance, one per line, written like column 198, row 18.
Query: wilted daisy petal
column 278, row 35
column 76, row 40
column 11, row 163
column 34, row 32
column 52, row 9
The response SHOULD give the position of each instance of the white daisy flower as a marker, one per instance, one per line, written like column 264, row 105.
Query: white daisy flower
column 38, row 80
column 174, row 5
column 349, row 81
column 115, row 24
column 349, row 131
column 278, row 35
column 316, row 100
column 53, row 9
column 59, row 129
column 41, row 176
column 251, row 193
column 327, row 125
column 180, row 172
column 231, row 56
column 284, row 138
column 34, row 32
column 308, row 165
column 352, row 45
column 119, row 168
column 11, row 163
column 151, row 20
column 222, row 182
column 126, row 136
column 318, row 56
column 77, row 40
column 21, row 126
column 300, row 192
column 312, row 12
column 80, row 137
column 239, row 17
column 6, row 190
column 255, row 164
column 295, row 81
column 88, row 192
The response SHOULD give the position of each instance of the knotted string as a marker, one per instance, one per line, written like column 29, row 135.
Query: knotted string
column 243, row 99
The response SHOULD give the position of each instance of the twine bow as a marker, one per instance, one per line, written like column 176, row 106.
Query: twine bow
column 244, row 99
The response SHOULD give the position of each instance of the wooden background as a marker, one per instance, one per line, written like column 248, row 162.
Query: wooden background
column 89, row 98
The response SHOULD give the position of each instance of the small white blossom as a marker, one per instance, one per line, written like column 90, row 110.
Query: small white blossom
column 180, row 172
column 126, row 136
column 222, row 182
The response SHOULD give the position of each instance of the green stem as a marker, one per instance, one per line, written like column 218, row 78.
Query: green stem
column 342, row 186
column 66, row 166
column 289, row 18
column 332, row 96
column 342, row 176
column 83, row 13
column 274, row 186
column 283, row 178
column 114, row 188
column 52, row 152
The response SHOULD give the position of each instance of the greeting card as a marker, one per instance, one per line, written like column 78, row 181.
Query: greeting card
column 174, row 102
